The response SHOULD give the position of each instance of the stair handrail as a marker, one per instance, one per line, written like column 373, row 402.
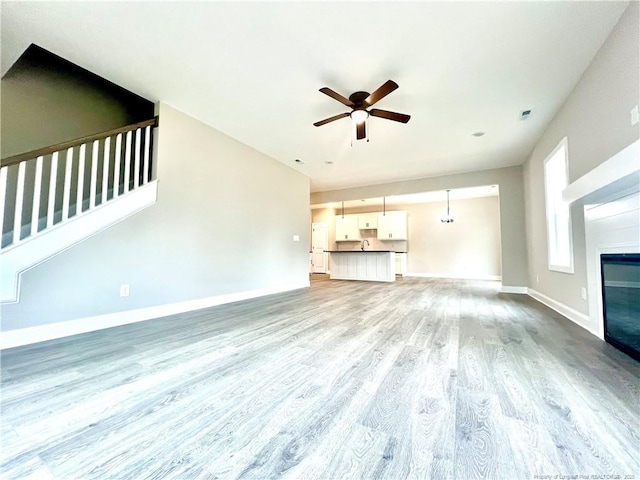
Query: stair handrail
column 21, row 157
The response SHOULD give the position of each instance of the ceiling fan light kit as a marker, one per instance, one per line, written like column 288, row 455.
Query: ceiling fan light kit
column 359, row 102
column 359, row 116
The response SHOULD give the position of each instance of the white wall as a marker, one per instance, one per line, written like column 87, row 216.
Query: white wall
column 223, row 223
column 467, row 248
column 596, row 120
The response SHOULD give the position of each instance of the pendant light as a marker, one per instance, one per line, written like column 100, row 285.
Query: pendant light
column 448, row 218
column 342, row 209
column 384, row 206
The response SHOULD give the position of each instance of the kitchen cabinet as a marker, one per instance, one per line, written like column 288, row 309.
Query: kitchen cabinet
column 347, row 229
column 401, row 264
column 367, row 221
column 392, row 225
column 374, row 266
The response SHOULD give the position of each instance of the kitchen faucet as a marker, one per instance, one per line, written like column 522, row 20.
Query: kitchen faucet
column 362, row 245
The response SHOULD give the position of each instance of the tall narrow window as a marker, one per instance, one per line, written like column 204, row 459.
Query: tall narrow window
column 559, row 240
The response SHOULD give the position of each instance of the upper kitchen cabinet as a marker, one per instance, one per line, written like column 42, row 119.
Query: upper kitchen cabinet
column 392, row 225
column 347, row 229
column 367, row 221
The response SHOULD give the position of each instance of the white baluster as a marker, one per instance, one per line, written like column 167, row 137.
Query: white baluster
column 116, row 170
column 52, row 189
column 17, row 219
column 66, row 193
column 136, row 169
column 105, row 170
column 147, row 148
column 35, row 213
column 3, row 194
column 127, row 162
column 94, row 174
column 80, row 193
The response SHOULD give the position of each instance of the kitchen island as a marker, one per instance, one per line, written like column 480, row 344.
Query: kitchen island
column 369, row 265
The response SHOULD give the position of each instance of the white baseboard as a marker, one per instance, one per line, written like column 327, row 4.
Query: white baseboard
column 26, row 336
column 512, row 289
column 453, row 277
column 576, row 317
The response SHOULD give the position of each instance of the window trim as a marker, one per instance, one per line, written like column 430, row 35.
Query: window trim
column 553, row 267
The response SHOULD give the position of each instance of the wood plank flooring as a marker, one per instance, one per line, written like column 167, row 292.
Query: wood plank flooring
column 442, row 379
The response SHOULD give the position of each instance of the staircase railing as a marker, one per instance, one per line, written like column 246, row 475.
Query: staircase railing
column 38, row 189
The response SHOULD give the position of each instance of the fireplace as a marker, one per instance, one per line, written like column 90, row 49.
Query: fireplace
column 621, row 301
column 610, row 197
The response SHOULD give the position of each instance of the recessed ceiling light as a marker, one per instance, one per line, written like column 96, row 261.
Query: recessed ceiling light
column 477, row 134
column 298, row 160
column 328, row 162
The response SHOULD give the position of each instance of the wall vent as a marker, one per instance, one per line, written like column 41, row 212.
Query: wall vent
column 525, row 114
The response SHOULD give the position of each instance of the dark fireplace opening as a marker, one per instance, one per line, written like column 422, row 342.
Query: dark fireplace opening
column 621, row 301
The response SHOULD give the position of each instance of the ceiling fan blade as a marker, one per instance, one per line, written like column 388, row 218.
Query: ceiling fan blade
column 388, row 87
column 361, row 131
column 331, row 119
column 396, row 117
column 336, row 96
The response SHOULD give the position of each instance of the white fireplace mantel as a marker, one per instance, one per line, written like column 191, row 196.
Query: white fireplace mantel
column 619, row 174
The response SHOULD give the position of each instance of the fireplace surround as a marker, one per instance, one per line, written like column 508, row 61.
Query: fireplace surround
column 610, row 197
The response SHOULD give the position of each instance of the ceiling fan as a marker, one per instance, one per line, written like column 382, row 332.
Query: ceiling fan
column 359, row 102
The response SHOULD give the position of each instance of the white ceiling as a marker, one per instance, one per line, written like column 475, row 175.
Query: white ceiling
column 253, row 70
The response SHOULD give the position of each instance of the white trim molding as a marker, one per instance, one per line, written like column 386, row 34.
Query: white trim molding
column 620, row 173
column 557, row 212
column 453, row 277
column 514, row 289
column 576, row 317
column 27, row 336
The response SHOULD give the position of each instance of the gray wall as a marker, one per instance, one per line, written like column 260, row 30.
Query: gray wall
column 47, row 100
column 596, row 120
column 512, row 223
column 223, row 223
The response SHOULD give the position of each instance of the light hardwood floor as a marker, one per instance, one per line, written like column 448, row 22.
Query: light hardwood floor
column 417, row 379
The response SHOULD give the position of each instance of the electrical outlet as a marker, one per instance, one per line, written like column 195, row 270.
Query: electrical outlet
column 635, row 117
column 124, row 290
column 583, row 293
column 296, row 238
